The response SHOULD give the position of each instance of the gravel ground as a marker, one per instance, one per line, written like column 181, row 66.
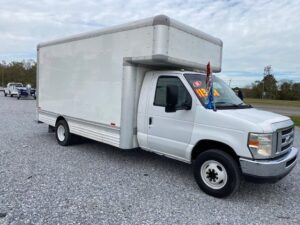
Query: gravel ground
column 92, row 183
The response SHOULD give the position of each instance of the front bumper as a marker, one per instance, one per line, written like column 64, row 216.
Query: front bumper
column 272, row 169
column 14, row 92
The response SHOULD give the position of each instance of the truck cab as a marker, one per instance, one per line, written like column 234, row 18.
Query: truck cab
column 232, row 140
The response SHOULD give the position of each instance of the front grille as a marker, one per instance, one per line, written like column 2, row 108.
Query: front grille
column 287, row 131
column 285, row 139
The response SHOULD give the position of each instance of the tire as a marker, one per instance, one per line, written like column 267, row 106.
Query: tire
column 62, row 133
column 217, row 173
column 5, row 95
column 18, row 97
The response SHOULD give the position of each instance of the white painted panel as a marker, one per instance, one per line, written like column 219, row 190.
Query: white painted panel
column 83, row 78
column 169, row 133
column 95, row 132
column 185, row 46
column 47, row 118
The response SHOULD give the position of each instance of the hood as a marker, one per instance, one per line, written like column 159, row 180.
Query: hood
column 21, row 88
column 259, row 117
column 25, row 88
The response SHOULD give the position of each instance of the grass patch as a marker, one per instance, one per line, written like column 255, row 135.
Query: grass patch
column 284, row 103
column 296, row 120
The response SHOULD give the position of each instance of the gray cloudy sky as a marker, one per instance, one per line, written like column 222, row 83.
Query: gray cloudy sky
column 255, row 33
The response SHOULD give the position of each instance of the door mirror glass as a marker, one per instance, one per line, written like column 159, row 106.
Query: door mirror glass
column 171, row 98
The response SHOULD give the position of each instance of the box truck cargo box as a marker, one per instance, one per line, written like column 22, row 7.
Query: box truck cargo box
column 143, row 84
column 94, row 79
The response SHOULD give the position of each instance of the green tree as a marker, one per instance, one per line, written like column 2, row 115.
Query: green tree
column 24, row 72
column 296, row 90
column 285, row 90
column 269, row 84
column 257, row 89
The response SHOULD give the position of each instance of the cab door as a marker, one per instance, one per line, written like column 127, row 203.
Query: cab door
column 170, row 133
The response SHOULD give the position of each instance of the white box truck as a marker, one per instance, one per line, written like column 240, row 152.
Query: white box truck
column 142, row 85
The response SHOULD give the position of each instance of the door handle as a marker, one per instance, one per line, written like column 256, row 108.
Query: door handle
column 150, row 120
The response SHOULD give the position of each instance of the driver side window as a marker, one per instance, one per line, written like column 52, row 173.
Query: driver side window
column 161, row 92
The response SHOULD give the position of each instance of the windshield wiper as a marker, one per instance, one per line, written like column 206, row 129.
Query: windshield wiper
column 229, row 104
column 226, row 103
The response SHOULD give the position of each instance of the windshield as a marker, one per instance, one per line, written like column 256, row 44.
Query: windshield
column 224, row 96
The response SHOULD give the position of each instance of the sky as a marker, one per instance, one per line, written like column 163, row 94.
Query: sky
column 254, row 33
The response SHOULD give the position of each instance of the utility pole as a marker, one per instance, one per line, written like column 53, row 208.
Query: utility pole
column 263, row 89
column 2, row 73
column 267, row 71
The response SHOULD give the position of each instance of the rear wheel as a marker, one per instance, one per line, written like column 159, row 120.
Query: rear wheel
column 5, row 94
column 63, row 135
column 217, row 173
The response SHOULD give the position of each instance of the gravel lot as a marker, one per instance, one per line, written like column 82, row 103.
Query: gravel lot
column 92, row 183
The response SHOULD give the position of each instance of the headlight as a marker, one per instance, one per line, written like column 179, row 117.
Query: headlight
column 260, row 145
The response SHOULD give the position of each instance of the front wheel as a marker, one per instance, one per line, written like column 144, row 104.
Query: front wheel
column 63, row 135
column 217, row 173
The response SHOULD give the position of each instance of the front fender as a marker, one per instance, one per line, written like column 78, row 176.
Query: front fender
column 235, row 139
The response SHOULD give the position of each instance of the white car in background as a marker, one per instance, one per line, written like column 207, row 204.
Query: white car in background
column 12, row 89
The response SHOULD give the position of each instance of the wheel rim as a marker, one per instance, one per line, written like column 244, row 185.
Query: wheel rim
column 213, row 174
column 61, row 133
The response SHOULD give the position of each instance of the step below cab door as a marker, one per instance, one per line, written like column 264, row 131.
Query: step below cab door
column 170, row 133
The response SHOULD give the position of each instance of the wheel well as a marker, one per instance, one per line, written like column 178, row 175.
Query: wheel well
column 59, row 118
column 204, row 145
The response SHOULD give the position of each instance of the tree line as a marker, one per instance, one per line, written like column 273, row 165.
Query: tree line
column 270, row 88
column 21, row 72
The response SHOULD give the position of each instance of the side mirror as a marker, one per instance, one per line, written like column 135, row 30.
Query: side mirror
column 172, row 98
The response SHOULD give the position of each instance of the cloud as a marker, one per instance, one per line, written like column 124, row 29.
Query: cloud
column 255, row 33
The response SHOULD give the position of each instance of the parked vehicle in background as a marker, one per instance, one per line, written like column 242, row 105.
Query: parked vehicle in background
column 12, row 89
column 142, row 85
column 25, row 92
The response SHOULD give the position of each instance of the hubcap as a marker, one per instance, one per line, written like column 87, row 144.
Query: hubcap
column 61, row 133
column 213, row 174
